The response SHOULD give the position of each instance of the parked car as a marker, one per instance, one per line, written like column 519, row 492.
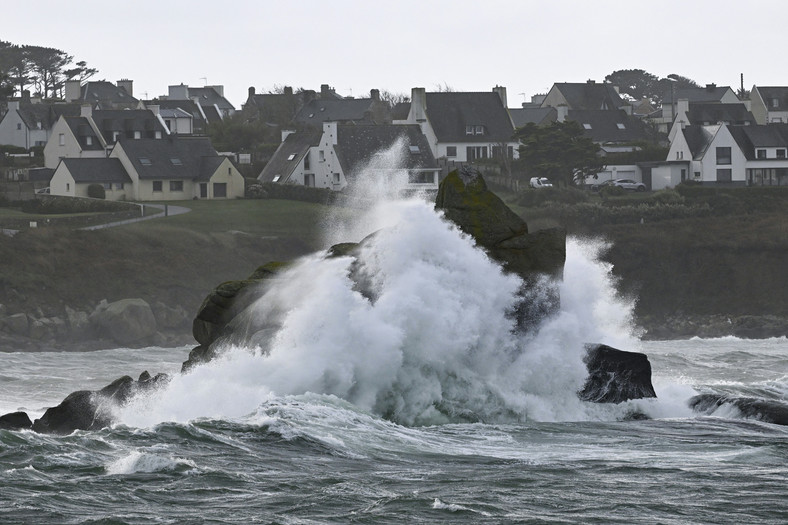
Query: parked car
column 629, row 184
column 540, row 182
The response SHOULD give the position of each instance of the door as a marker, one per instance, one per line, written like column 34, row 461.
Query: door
column 203, row 190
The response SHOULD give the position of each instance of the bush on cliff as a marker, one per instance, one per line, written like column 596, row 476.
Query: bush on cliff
column 96, row 191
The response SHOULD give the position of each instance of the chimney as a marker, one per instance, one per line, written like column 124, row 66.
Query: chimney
column 251, row 91
column 502, row 94
column 72, row 90
column 563, row 112
column 179, row 92
column 682, row 105
column 374, row 94
column 418, row 104
column 86, row 111
column 154, row 108
column 589, row 81
column 325, row 91
column 711, row 87
column 286, row 133
column 126, row 84
column 288, row 91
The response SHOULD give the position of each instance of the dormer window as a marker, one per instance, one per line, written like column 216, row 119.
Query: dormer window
column 781, row 153
column 469, row 130
column 474, row 130
column 775, row 102
column 88, row 140
column 760, row 153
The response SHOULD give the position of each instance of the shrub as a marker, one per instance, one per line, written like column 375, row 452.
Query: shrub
column 533, row 197
column 612, row 191
column 297, row 192
column 55, row 204
column 96, row 191
column 667, row 197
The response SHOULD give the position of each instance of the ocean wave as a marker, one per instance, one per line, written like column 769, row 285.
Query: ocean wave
column 137, row 461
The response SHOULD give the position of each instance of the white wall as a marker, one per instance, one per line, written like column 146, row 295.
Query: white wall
column 709, row 164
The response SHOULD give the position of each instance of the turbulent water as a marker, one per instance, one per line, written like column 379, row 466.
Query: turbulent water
column 417, row 401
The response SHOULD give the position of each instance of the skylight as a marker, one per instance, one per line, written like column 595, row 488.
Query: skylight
column 587, row 126
column 176, row 161
column 620, row 125
column 415, row 150
column 291, row 156
column 276, row 178
column 145, row 161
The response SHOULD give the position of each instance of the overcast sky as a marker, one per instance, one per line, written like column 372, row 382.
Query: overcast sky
column 355, row 46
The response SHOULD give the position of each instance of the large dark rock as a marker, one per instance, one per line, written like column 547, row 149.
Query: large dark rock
column 91, row 410
column 616, row 375
column 465, row 200
column 128, row 322
column 15, row 421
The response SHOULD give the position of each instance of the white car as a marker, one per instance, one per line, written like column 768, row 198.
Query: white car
column 540, row 182
column 629, row 184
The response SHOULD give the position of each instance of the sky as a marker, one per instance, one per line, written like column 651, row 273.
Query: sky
column 355, row 46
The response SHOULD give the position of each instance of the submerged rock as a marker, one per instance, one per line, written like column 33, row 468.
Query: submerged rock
column 616, row 375
column 769, row 411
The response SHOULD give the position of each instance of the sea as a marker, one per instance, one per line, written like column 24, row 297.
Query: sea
column 415, row 398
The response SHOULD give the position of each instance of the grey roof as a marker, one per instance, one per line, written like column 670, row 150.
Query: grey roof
column 538, row 116
column 208, row 96
column 174, row 113
column 590, row 95
column 107, row 95
column 174, row 157
column 605, row 126
column 710, row 93
column 450, row 112
column 698, row 139
column 400, row 111
column 198, row 122
column 82, row 129
column 760, row 136
column 296, row 145
column 40, row 174
column 212, row 114
column 87, row 170
column 127, row 121
column 336, row 110
column 771, row 93
column 44, row 113
column 358, row 144
column 713, row 113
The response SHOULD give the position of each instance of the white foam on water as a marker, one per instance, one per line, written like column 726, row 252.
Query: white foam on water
column 137, row 461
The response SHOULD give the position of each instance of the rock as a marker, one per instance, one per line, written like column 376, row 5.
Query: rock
column 127, row 322
column 78, row 323
column 168, row 318
column 769, row 411
column 15, row 421
column 92, row 410
column 17, row 324
column 616, row 375
column 41, row 329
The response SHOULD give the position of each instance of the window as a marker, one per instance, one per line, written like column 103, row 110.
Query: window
column 586, row 125
column 759, row 153
column 476, row 152
column 157, row 185
column 176, row 161
column 145, row 161
column 88, row 140
column 775, row 102
column 724, row 175
column 118, row 185
column 168, row 123
column 220, row 189
column 451, row 151
column 336, row 178
column 306, row 161
column 276, row 178
column 469, row 130
column 478, row 130
column 414, row 150
column 62, row 139
column 322, row 155
column 292, row 156
column 157, row 135
column 107, row 185
column 620, row 125
column 176, row 185
column 115, row 136
column 137, row 135
column 421, row 177
column 18, row 126
column 68, row 186
column 780, row 153
column 724, row 155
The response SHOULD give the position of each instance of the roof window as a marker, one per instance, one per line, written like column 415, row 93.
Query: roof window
column 276, row 178
column 291, row 156
column 414, row 150
column 145, row 161
column 176, row 161
column 586, row 125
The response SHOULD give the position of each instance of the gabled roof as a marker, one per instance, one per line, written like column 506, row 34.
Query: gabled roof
column 208, row 96
column 336, row 110
column 174, row 157
column 357, row 145
column 710, row 93
column 45, row 114
column 288, row 155
column 107, row 93
column 400, row 111
column 771, row 93
column 174, row 113
column 590, row 95
column 538, row 116
column 699, row 139
column 87, row 170
column 128, row 121
column 184, row 105
column 450, row 113
column 81, row 129
column 713, row 113
column 605, row 126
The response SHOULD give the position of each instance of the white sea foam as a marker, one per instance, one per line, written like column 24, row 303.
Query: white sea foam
column 137, row 461
column 435, row 343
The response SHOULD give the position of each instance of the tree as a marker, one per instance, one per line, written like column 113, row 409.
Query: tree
column 636, row 83
column 48, row 64
column 80, row 72
column 561, row 152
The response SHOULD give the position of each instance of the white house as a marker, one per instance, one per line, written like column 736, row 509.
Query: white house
column 28, row 123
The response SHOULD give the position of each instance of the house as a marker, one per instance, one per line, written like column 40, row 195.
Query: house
column 769, row 104
column 28, row 122
column 342, row 154
column 210, row 99
column 536, row 115
column 613, row 130
column 177, row 121
column 277, row 109
column 174, row 109
column 175, row 168
column 94, row 132
column 585, row 96
column 711, row 93
column 464, row 126
column 708, row 113
column 725, row 154
column 101, row 94
column 370, row 110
